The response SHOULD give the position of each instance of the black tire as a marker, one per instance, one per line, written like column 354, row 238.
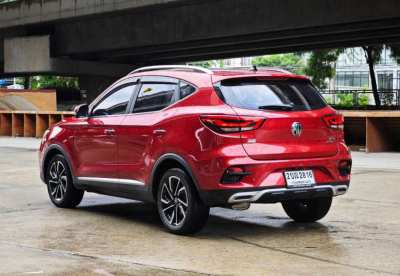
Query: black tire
column 307, row 210
column 174, row 191
column 60, row 187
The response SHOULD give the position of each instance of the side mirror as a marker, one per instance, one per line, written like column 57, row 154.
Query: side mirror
column 81, row 110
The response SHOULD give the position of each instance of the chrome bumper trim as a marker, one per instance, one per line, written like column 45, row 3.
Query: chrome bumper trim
column 256, row 195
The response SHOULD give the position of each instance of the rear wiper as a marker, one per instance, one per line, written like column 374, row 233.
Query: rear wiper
column 283, row 107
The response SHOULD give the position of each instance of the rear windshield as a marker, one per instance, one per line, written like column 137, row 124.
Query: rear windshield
column 277, row 95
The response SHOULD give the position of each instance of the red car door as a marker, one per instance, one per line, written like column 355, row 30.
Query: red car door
column 97, row 136
column 140, row 129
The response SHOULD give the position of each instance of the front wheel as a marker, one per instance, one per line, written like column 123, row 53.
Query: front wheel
column 307, row 210
column 62, row 191
column 179, row 206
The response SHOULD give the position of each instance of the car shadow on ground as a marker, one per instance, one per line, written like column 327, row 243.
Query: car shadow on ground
column 231, row 223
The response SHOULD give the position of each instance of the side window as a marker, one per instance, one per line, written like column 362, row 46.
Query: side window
column 185, row 89
column 154, row 96
column 115, row 103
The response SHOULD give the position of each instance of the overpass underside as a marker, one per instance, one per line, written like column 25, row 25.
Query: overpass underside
column 90, row 37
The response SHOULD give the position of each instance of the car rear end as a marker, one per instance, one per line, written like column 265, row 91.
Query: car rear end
column 293, row 142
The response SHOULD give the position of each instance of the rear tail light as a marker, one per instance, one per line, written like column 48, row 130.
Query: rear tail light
column 345, row 167
column 335, row 121
column 231, row 123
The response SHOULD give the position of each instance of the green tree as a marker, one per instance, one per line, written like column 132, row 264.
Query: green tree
column 40, row 82
column 292, row 62
column 372, row 56
column 204, row 63
column 321, row 66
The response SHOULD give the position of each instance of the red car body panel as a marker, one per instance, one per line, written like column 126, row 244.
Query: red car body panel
column 129, row 146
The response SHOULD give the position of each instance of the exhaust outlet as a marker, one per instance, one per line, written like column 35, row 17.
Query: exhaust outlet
column 240, row 206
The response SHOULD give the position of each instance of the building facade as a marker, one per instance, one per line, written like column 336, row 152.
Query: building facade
column 352, row 71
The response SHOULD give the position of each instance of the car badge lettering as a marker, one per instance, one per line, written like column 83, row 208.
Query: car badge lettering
column 297, row 129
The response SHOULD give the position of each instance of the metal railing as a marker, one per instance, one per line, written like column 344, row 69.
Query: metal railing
column 362, row 99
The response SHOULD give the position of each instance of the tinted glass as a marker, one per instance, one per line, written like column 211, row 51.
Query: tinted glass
column 116, row 103
column 154, row 96
column 186, row 89
column 254, row 94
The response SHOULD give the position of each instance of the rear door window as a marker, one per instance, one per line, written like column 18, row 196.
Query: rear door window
column 277, row 95
column 186, row 89
column 155, row 96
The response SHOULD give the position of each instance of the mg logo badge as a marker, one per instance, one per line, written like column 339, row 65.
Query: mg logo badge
column 297, row 129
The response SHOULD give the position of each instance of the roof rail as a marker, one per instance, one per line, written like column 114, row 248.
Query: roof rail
column 173, row 67
column 276, row 69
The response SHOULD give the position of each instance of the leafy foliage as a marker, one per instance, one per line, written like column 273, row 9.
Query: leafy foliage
column 363, row 100
column 321, row 66
column 395, row 52
column 346, row 100
column 292, row 62
column 40, row 82
column 205, row 63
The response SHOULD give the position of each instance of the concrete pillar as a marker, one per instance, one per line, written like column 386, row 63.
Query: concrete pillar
column 94, row 85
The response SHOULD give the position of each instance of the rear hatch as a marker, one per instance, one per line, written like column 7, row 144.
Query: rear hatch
column 294, row 111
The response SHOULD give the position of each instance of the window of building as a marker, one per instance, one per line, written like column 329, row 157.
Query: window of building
column 115, row 103
column 227, row 62
column 155, row 96
column 398, row 79
column 386, row 57
column 352, row 79
column 352, row 56
column 246, row 61
column 385, row 80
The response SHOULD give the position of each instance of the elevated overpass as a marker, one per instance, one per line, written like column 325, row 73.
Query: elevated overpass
column 101, row 37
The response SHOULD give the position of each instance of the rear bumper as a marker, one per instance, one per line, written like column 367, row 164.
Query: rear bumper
column 273, row 195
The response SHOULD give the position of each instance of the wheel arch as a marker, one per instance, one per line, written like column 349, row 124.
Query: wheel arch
column 52, row 151
column 166, row 162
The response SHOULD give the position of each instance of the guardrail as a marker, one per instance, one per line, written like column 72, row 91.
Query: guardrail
column 29, row 123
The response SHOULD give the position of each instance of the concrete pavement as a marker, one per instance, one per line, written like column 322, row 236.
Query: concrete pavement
column 20, row 143
column 111, row 236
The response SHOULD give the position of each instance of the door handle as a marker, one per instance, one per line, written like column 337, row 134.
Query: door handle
column 159, row 132
column 109, row 131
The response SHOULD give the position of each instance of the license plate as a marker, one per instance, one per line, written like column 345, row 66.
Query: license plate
column 297, row 179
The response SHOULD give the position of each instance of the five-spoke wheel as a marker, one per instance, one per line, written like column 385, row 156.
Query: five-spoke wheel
column 179, row 205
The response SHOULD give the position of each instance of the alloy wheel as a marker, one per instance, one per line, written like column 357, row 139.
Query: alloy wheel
column 174, row 201
column 58, row 180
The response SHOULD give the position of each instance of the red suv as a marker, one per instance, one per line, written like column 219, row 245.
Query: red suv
column 188, row 139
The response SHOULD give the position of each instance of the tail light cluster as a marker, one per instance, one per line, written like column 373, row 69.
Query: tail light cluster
column 231, row 123
column 335, row 121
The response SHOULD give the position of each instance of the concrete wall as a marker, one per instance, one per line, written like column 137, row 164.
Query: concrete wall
column 168, row 31
column 39, row 11
column 27, row 54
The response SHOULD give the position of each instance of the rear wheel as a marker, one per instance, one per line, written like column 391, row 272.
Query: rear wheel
column 61, row 190
column 307, row 210
column 179, row 206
